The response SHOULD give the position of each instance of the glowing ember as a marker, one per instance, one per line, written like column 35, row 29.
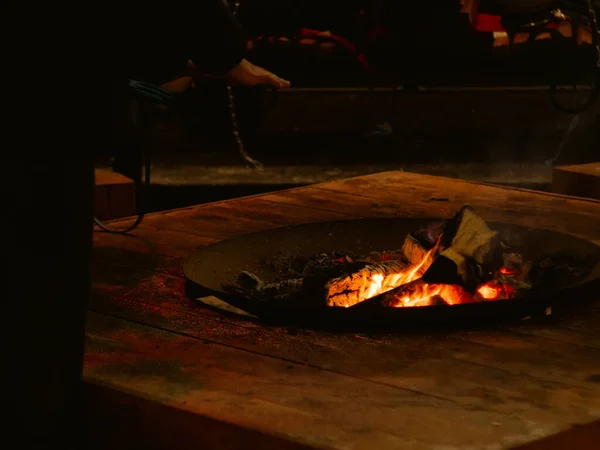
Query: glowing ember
column 507, row 271
column 490, row 291
column 463, row 259
column 495, row 290
column 380, row 284
column 422, row 299
column 425, row 294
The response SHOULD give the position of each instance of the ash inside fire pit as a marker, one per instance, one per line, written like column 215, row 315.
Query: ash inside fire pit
column 354, row 268
column 450, row 262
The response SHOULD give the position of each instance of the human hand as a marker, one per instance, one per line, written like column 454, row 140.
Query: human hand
column 247, row 74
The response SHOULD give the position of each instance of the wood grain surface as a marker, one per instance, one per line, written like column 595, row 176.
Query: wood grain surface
column 480, row 389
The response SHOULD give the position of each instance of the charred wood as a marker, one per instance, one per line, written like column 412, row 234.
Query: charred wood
column 372, row 279
column 420, row 293
column 469, row 248
column 251, row 285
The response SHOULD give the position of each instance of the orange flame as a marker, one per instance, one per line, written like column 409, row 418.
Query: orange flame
column 451, row 294
column 507, row 271
column 489, row 291
column 381, row 284
column 494, row 290
column 423, row 294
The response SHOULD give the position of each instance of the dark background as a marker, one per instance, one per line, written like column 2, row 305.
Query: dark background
column 462, row 108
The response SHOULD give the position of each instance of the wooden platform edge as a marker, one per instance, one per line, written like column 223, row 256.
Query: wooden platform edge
column 324, row 186
column 120, row 420
column 579, row 437
column 581, row 180
column 114, row 196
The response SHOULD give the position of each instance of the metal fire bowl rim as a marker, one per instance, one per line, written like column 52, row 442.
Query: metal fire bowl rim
column 211, row 267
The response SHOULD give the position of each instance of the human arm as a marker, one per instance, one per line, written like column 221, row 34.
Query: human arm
column 218, row 47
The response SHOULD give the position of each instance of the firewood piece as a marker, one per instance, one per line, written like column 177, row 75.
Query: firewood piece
column 430, row 233
column 248, row 280
column 331, row 284
column 420, row 252
column 370, row 280
column 471, row 236
column 469, row 245
column 318, row 272
column 282, row 290
column 420, row 293
column 285, row 291
column 252, row 284
column 450, row 267
column 414, row 249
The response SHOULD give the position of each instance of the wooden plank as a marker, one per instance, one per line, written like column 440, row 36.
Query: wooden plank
column 320, row 408
column 162, row 244
column 115, row 195
column 316, row 199
column 423, row 207
column 562, row 332
column 149, row 247
column 493, row 362
column 395, row 185
column 118, row 420
column 224, row 220
column 401, row 194
column 581, row 437
column 389, row 194
column 524, row 371
column 580, row 180
column 359, row 205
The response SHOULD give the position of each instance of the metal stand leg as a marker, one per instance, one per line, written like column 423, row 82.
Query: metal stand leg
column 132, row 163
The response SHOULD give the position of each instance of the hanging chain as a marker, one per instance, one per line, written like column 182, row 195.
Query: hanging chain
column 233, row 114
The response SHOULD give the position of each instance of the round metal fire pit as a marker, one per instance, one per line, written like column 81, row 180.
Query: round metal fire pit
column 213, row 267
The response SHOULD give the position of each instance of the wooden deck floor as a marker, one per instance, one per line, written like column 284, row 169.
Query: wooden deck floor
column 207, row 380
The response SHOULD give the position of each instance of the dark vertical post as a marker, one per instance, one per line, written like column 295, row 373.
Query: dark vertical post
column 47, row 232
column 126, row 145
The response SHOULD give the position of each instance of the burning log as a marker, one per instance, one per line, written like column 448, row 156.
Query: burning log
column 420, row 293
column 460, row 260
column 468, row 245
column 471, row 236
column 348, row 284
column 370, row 280
column 420, row 252
column 414, row 249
